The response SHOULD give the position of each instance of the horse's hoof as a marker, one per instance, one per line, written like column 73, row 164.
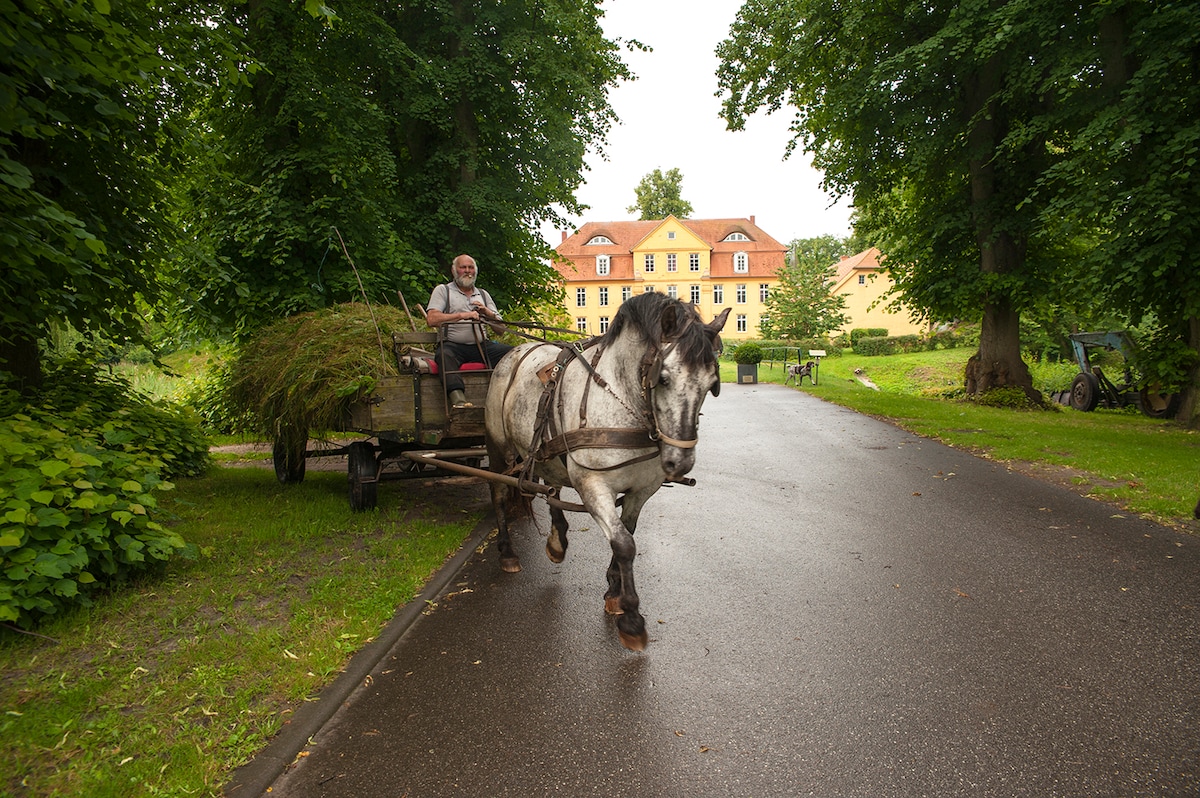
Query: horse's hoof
column 634, row 642
column 556, row 556
column 510, row 565
column 612, row 605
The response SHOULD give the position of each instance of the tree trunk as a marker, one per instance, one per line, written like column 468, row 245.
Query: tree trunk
column 20, row 357
column 998, row 362
column 1189, row 405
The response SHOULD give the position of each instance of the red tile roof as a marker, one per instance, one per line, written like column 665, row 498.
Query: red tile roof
column 765, row 253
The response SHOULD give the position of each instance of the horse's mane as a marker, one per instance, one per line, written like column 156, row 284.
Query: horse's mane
column 644, row 315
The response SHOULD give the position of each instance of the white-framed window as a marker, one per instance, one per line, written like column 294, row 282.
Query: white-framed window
column 736, row 237
column 603, row 264
column 670, row 235
column 603, row 324
column 648, row 261
column 672, row 260
column 764, row 291
column 581, row 297
column 648, row 289
column 764, row 321
column 673, row 291
column 603, row 296
column 695, row 292
column 693, row 261
column 741, row 262
column 741, row 322
column 581, row 324
column 599, row 240
column 718, row 295
column 862, row 279
column 626, row 292
column 741, row 293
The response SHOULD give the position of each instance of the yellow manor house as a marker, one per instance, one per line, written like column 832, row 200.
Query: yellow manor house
column 712, row 263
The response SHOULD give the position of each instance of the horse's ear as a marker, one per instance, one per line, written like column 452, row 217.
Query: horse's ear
column 717, row 324
column 671, row 320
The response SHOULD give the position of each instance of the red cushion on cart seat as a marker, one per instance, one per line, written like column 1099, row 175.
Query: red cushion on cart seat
column 433, row 369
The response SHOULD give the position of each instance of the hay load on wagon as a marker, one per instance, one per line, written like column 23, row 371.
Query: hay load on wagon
column 304, row 373
column 351, row 368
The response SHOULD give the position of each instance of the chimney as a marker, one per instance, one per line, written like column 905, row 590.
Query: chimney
column 564, row 235
column 751, row 218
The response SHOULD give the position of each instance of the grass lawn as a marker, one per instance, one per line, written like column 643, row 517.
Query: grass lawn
column 1146, row 466
column 168, row 683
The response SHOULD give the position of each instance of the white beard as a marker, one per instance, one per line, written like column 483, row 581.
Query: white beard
column 464, row 282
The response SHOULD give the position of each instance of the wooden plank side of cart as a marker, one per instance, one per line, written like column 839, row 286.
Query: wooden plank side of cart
column 412, row 408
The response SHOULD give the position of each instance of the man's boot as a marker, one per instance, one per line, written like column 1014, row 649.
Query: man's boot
column 458, row 398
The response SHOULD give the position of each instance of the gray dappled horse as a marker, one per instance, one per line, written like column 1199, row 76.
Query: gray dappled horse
column 612, row 418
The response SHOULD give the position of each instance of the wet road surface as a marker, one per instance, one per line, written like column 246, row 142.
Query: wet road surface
column 839, row 608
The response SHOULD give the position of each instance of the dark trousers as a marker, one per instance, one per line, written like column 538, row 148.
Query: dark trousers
column 450, row 357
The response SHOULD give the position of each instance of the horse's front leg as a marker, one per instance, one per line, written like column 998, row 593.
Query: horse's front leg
column 631, row 509
column 621, row 598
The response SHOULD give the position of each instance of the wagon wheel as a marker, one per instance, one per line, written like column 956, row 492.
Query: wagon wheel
column 363, row 471
column 1085, row 391
column 288, row 455
column 1158, row 405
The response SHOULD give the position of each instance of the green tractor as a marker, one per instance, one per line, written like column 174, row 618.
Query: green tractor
column 1092, row 389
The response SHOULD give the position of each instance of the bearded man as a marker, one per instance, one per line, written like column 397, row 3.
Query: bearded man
column 462, row 311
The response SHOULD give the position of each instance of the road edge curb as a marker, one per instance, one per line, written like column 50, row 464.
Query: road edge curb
column 256, row 776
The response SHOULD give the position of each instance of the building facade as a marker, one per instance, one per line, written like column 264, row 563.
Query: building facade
column 864, row 285
column 712, row 263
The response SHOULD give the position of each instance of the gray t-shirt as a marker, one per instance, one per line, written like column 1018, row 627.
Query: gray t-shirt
column 449, row 298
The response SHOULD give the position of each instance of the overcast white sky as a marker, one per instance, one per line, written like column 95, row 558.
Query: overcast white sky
column 669, row 119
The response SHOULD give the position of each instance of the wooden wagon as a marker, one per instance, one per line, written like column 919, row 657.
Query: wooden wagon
column 416, row 432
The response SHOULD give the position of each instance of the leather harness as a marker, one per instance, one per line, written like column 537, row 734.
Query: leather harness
column 548, row 442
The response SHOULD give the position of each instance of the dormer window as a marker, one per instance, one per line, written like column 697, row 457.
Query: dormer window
column 741, row 262
column 736, row 237
column 604, row 240
column 603, row 264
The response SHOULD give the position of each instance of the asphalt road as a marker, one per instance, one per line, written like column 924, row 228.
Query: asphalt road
column 838, row 608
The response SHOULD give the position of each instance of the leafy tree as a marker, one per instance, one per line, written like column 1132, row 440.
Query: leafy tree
column 983, row 143
column 417, row 130
column 819, row 251
column 803, row 305
column 1131, row 169
column 91, row 121
column 659, row 195
column 934, row 129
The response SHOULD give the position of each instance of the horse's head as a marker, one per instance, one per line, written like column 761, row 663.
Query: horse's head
column 678, row 375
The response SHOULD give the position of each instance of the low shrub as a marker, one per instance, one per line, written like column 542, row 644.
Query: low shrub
column 748, row 352
column 1008, row 397
column 880, row 345
column 858, row 333
column 78, row 474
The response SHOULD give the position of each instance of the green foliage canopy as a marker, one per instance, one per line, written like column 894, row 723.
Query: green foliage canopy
column 89, row 124
column 418, row 131
column 803, row 305
column 1005, row 156
column 659, row 195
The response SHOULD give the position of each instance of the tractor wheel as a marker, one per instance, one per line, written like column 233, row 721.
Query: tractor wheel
column 363, row 471
column 1158, row 405
column 288, row 456
column 1085, row 392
